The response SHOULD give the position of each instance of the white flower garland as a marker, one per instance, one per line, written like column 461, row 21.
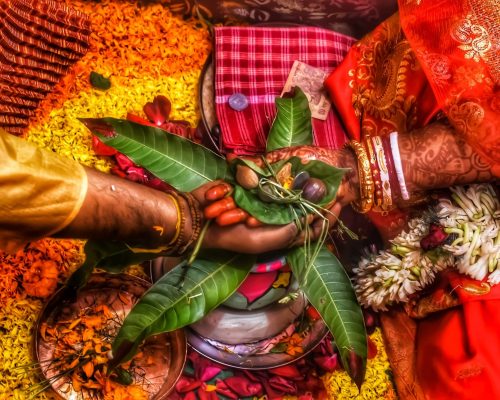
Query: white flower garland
column 472, row 214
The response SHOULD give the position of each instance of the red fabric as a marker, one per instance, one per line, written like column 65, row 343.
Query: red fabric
column 390, row 81
column 458, row 349
column 462, row 67
column 256, row 62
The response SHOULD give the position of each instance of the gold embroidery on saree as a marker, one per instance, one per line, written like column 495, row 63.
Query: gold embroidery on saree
column 466, row 116
column 439, row 66
column 474, row 38
column 379, row 84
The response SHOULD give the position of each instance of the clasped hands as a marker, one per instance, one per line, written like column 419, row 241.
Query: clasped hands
column 233, row 229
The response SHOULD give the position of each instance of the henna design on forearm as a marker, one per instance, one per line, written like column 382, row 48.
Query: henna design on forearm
column 343, row 158
column 437, row 157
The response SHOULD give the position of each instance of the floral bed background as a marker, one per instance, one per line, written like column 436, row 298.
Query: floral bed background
column 146, row 51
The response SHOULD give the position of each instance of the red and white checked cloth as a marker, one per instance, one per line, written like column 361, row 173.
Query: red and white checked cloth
column 256, row 61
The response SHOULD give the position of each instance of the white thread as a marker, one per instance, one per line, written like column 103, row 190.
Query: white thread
column 398, row 166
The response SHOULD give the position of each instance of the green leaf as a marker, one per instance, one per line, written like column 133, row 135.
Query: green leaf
column 99, row 81
column 170, row 305
column 329, row 290
column 268, row 213
column 181, row 163
column 279, row 214
column 292, row 125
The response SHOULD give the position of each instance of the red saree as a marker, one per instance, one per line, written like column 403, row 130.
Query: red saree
column 437, row 59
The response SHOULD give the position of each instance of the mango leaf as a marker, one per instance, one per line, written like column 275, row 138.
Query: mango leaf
column 183, row 164
column 268, row 213
column 110, row 256
column 181, row 297
column 292, row 125
column 277, row 214
column 328, row 288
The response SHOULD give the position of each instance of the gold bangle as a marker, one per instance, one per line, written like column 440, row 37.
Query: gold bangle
column 366, row 185
column 178, row 224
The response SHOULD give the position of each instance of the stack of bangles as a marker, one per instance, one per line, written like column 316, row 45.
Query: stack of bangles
column 179, row 242
column 381, row 179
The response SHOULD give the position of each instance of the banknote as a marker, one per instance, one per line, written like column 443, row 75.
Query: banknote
column 310, row 80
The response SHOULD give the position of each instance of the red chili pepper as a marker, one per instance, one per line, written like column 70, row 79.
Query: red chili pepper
column 217, row 192
column 217, row 208
column 253, row 222
column 232, row 217
column 313, row 314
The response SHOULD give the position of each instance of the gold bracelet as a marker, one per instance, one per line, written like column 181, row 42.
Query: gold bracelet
column 196, row 221
column 177, row 233
column 366, row 185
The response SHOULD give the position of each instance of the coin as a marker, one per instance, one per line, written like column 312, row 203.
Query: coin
column 238, row 102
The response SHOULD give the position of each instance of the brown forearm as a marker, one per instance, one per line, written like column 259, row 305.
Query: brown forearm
column 437, row 157
column 117, row 209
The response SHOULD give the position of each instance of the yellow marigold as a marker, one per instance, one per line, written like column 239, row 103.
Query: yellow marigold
column 377, row 385
column 17, row 320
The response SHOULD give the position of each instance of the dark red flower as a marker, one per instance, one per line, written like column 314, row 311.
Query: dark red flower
column 372, row 349
column 435, row 238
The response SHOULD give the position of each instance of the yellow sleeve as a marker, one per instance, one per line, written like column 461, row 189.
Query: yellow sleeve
column 40, row 192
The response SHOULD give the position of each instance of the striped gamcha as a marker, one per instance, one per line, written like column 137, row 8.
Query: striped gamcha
column 39, row 41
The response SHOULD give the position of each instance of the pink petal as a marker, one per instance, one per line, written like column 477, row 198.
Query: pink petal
column 287, row 371
column 256, row 285
column 187, row 384
column 102, row 149
column 283, row 385
column 243, row 386
column 206, row 369
column 224, row 390
column 124, row 163
column 158, row 111
column 327, row 363
column 137, row 174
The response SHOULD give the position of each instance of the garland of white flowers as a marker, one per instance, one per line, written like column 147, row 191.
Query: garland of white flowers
column 472, row 216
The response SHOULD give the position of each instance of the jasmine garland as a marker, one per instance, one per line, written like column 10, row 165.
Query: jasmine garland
column 418, row 253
